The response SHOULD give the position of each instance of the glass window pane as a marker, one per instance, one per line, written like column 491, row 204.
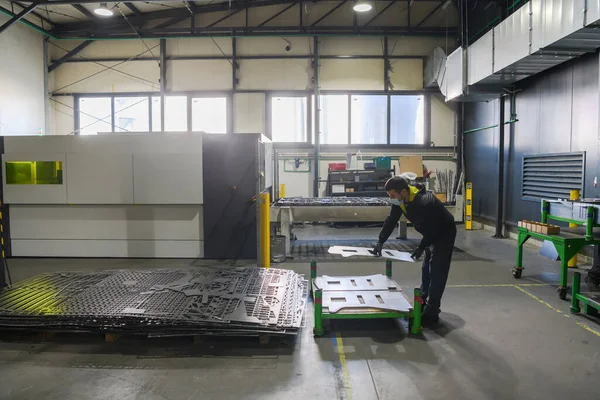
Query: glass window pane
column 34, row 173
column 131, row 114
column 407, row 120
column 176, row 114
column 95, row 115
column 334, row 119
column 156, row 127
column 209, row 115
column 369, row 119
column 288, row 119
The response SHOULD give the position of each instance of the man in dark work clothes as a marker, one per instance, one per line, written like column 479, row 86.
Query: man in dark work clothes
column 431, row 219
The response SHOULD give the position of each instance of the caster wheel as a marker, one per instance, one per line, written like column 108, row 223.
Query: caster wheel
column 562, row 293
column 517, row 273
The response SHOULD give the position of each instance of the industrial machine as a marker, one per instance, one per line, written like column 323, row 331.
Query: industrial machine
column 341, row 209
column 581, row 213
column 362, row 297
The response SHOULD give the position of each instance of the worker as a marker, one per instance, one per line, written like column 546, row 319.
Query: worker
column 431, row 219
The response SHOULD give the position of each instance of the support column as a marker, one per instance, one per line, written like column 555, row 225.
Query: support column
column 46, row 89
column 163, row 81
column 317, row 115
column 500, row 201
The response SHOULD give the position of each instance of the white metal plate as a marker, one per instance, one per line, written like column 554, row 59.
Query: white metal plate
column 360, row 283
column 348, row 251
column 383, row 300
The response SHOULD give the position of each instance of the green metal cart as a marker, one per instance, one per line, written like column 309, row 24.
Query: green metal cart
column 567, row 244
column 591, row 301
column 333, row 300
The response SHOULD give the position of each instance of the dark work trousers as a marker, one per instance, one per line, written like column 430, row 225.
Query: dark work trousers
column 435, row 269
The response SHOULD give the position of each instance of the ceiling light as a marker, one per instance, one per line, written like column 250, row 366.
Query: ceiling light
column 362, row 6
column 103, row 10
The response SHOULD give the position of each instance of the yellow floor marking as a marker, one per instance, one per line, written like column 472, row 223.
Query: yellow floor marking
column 344, row 365
column 581, row 324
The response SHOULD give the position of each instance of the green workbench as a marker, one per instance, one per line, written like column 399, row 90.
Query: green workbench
column 591, row 301
column 411, row 313
column 567, row 244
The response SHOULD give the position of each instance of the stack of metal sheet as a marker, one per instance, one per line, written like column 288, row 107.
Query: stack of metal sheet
column 332, row 202
column 211, row 300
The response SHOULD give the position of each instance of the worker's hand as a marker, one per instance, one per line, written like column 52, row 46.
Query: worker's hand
column 377, row 249
column 417, row 253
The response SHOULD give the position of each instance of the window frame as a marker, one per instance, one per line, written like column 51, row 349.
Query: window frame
column 228, row 95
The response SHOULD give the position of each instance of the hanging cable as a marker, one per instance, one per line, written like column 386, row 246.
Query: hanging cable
column 137, row 33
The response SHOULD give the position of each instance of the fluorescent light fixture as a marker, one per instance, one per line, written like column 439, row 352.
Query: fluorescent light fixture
column 103, row 10
column 362, row 6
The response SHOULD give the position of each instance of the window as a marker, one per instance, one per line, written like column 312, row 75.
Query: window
column 334, row 119
column 289, row 117
column 131, row 114
column 34, row 173
column 176, row 114
column 407, row 120
column 95, row 115
column 156, row 118
column 209, row 115
column 369, row 119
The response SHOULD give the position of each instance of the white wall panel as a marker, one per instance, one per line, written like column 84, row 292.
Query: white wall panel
column 22, row 99
column 249, row 109
column 511, row 39
column 35, row 194
column 100, row 178
column 418, row 46
column 113, row 143
column 274, row 46
column 351, row 74
column 167, row 178
column 443, row 122
column 198, row 47
column 357, row 46
column 274, row 74
column 480, row 56
column 108, row 248
column 407, row 74
column 199, row 75
column 86, row 222
column 107, row 48
column 133, row 76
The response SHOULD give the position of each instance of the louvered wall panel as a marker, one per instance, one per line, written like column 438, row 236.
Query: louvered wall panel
column 552, row 176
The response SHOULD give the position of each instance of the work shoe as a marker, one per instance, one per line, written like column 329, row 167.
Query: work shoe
column 429, row 316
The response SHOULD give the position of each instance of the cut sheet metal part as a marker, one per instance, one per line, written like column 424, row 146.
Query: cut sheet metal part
column 165, row 300
column 361, row 283
column 346, row 301
column 348, row 251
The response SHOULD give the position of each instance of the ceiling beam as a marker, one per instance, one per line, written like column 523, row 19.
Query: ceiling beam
column 328, row 13
column 69, row 55
column 84, row 11
column 18, row 17
column 278, row 14
column 379, row 13
column 432, row 12
column 40, row 16
column 133, row 8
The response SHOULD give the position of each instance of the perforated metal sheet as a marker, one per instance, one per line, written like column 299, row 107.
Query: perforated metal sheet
column 349, row 251
column 363, row 283
column 384, row 300
column 221, row 299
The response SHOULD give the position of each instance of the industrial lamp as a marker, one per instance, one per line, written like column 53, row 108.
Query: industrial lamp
column 103, row 10
column 362, row 6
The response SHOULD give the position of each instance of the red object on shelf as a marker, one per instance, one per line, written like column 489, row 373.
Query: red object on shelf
column 337, row 166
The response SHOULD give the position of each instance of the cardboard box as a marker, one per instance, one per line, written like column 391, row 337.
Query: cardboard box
column 441, row 197
column 411, row 164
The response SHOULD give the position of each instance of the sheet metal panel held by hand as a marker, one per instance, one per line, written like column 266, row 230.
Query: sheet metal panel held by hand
column 348, row 251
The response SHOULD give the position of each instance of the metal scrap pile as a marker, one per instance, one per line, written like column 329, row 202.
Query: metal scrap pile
column 220, row 300
column 332, row 202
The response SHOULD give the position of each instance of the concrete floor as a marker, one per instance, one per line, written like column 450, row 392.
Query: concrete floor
column 497, row 341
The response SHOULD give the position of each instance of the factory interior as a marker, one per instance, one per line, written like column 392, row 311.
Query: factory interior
column 300, row 199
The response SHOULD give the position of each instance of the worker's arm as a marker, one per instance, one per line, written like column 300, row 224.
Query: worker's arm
column 390, row 224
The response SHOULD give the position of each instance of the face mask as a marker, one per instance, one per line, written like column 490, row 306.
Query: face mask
column 396, row 202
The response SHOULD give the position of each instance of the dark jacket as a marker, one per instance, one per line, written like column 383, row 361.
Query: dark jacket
column 428, row 216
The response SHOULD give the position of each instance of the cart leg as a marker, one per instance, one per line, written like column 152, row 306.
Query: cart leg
column 318, row 329
column 574, row 292
column 415, row 323
column 388, row 268
column 313, row 275
column 564, row 271
column 518, row 270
